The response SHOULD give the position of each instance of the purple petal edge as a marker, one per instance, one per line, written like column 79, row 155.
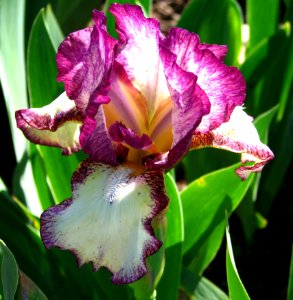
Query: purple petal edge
column 119, row 133
column 154, row 179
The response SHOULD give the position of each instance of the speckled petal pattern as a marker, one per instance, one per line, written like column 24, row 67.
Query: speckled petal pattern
column 108, row 220
column 240, row 136
column 57, row 124
column 84, row 60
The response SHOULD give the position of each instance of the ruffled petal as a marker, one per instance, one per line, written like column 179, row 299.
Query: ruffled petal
column 140, row 54
column 121, row 134
column 188, row 105
column 108, row 220
column 95, row 140
column 189, row 102
column 57, row 124
column 237, row 135
column 85, row 60
column 219, row 51
column 223, row 85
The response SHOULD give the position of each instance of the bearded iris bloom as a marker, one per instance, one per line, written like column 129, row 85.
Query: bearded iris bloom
column 136, row 106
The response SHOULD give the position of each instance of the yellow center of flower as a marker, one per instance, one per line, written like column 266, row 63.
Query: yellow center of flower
column 129, row 106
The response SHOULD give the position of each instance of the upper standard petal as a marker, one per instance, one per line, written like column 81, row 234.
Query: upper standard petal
column 224, row 86
column 85, row 60
column 139, row 53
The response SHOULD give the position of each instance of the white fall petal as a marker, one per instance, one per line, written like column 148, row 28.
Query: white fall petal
column 107, row 222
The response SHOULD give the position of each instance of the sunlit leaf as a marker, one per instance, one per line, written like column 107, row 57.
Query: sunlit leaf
column 263, row 19
column 13, row 83
column 204, row 204
column 42, row 70
column 12, row 65
column 169, row 284
column 235, row 285
column 40, row 177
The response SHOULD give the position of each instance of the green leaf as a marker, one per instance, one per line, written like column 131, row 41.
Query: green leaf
column 44, row 39
column 263, row 19
column 206, row 252
column 204, row 204
column 74, row 14
column 40, row 177
column 13, row 83
column 9, row 272
column 3, row 188
column 216, row 22
column 42, row 68
column 257, row 60
column 59, row 170
column 202, row 161
column 12, row 65
column 169, row 284
column 290, row 283
column 17, row 230
column 270, row 73
column 235, row 286
column 263, row 122
column 200, row 288
column 281, row 144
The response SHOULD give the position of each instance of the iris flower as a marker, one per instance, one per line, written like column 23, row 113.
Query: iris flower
column 135, row 105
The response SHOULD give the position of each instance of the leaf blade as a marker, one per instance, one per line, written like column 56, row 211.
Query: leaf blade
column 9, row 272
column 236, row 288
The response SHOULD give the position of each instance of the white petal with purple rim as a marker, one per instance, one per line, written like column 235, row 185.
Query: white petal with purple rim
column 240, row 136
column 57, row 124
column 108, row 220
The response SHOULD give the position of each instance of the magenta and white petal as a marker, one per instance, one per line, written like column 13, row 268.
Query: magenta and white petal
column 240, row 136
column 189, row 102
column 223, row 85
column 95, row 140
column 85, row 60
column 187, row 105
column 121, row 134
column 127, row 103
column 139, row 53
column 219, row 51
column 108, row 220
column 57, row 124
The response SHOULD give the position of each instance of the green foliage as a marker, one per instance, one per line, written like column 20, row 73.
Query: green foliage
column 236, row 288
column 193, row 228
column 9, row 272
column 216, row 22
column 204, row 204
